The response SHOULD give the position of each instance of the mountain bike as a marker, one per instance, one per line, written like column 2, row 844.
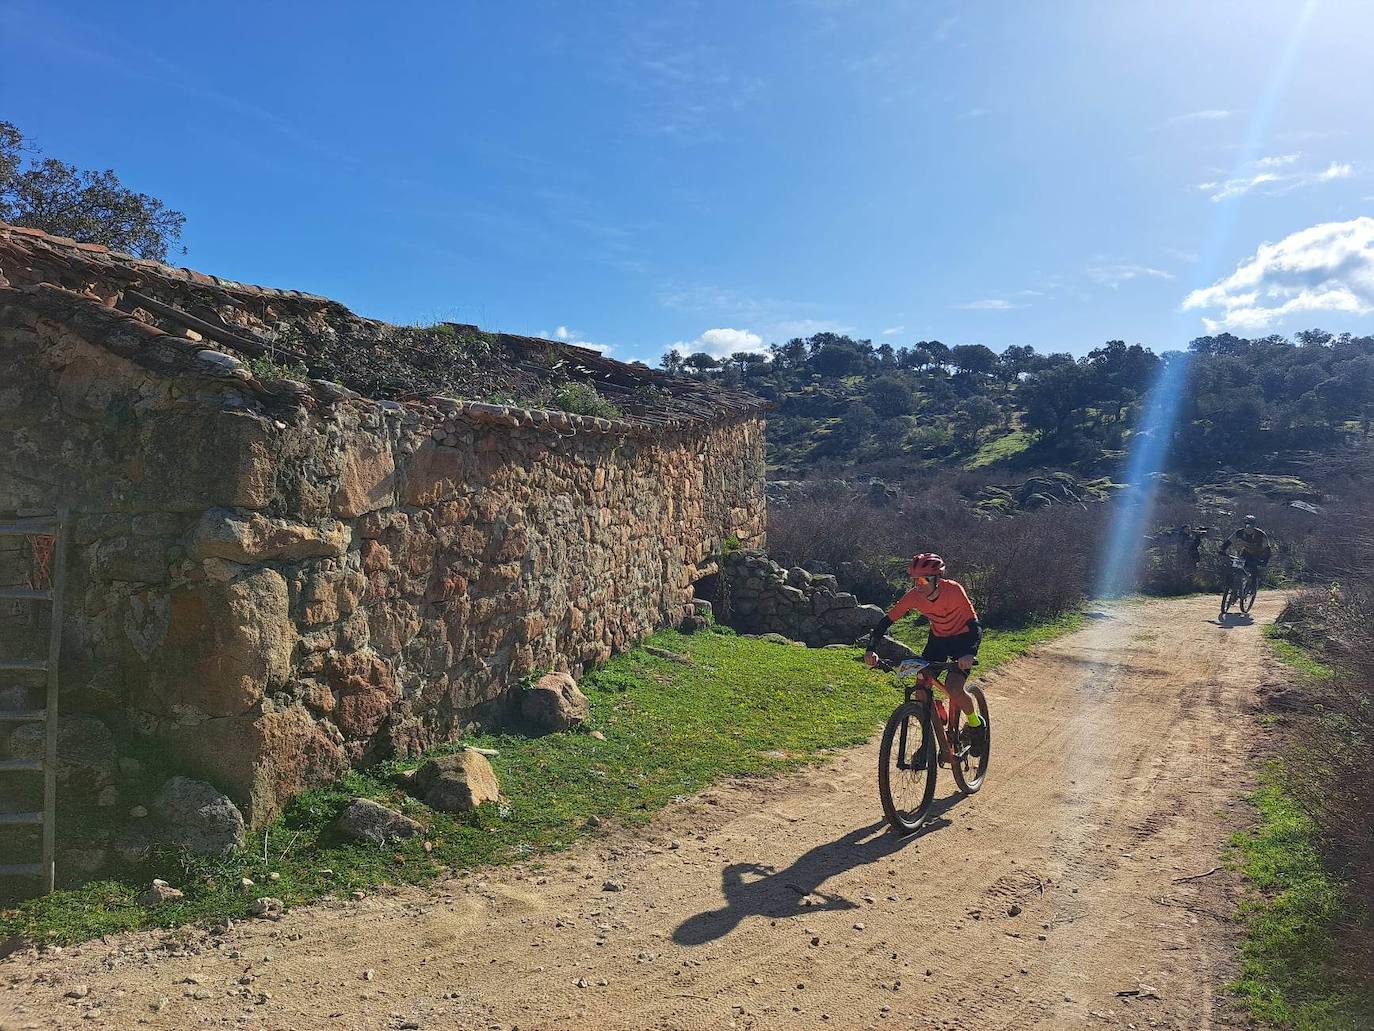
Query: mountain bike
column 1241, row 587
column 914, row 741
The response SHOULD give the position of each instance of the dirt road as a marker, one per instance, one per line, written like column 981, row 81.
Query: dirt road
column 1054, row 898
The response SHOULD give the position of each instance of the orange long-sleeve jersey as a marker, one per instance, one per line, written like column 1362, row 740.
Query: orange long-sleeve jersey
column 950, row 612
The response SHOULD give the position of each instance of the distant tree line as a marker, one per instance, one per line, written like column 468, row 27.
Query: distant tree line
column 843, row 401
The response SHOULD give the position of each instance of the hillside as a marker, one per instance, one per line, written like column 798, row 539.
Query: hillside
column 844, row 407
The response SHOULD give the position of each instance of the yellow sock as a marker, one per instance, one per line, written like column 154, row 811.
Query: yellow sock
column 974, row 720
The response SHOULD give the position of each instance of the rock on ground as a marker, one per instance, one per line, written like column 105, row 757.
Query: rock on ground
column 365, row 820
column 198, row 817
column 555, row 703
column 457, row 783
column 159, row 892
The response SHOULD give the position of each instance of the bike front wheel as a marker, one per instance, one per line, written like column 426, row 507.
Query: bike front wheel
column 1247, row 597
column 907, row 767
column 969, row 768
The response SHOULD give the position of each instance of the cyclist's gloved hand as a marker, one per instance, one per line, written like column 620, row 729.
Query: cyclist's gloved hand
column 870, row 659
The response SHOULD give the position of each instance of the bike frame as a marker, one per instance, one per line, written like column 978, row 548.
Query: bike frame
column 922, row 693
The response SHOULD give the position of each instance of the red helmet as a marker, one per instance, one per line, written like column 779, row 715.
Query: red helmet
column 927, row 563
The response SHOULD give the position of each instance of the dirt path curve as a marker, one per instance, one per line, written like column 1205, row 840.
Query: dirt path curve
column 783, row 904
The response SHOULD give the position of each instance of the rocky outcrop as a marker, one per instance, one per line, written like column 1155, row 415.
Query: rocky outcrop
column 554, row 702
column 759, row 596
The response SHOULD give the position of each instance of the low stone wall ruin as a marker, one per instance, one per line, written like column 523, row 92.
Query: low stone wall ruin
column 278, row 581
column 756, row 595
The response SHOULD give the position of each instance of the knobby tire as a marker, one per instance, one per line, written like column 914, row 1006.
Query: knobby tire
column 907, row 821
column 970, row 784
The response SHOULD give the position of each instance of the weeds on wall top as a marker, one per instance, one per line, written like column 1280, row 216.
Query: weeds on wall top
column 267, row 368
column 583, row 399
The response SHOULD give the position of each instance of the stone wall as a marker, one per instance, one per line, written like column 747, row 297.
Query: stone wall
column 756, row 595
column 278, row 581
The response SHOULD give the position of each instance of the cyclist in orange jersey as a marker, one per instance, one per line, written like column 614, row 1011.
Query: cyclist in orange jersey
column 955, row 633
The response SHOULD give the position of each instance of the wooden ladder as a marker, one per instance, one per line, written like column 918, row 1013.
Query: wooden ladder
column 57, row 527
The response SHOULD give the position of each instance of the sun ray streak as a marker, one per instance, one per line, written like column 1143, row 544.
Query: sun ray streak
column 1149, row 453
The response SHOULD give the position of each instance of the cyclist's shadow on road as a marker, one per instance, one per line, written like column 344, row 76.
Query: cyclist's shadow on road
column 1234, row 619
column 753, row 889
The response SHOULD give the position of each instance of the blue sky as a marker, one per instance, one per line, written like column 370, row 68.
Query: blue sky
column 639, row 175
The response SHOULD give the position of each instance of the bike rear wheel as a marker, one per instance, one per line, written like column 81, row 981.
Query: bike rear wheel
column 907, row 767
column 1226, row 600
column 969, row 769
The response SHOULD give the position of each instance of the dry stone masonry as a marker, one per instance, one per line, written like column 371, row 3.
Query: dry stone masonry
column 756, row 595
column 274, row 578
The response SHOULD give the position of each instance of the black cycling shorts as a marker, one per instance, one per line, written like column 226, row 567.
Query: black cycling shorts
column 946, row 649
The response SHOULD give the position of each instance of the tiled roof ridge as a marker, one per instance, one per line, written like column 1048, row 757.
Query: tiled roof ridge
column 168, row 354
column 687, row 400
column 105, row 259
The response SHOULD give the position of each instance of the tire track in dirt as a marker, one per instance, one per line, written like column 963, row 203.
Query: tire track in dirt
column 1120, row 753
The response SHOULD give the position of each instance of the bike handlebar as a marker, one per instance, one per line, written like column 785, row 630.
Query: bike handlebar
column 930, row 667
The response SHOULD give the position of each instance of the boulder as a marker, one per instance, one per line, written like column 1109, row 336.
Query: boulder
column 457, row 783
column 193, row 815
column 261, row 758
column 555, row 703
column 365, row 820
column 222, row 645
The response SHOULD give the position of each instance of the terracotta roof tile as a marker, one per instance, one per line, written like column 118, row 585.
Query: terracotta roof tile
column 651, row 398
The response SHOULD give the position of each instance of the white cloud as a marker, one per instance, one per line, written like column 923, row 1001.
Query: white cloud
column 571, row 336
column 1209, row 115
column 893, row 330
column 1115, row 275
column 1261, row 175
column 988, row 304
column 789, row 328
column 721, row 343
column 1326, row 268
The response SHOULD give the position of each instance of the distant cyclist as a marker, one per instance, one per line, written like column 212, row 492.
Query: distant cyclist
column 1254, row 547
column 955, row 633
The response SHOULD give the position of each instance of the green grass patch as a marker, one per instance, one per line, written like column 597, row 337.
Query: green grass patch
column 999, row 646
column 1290, row 950
column 1294, row 908
column 999, row 449
column 742, row 707
column 1294, row 655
